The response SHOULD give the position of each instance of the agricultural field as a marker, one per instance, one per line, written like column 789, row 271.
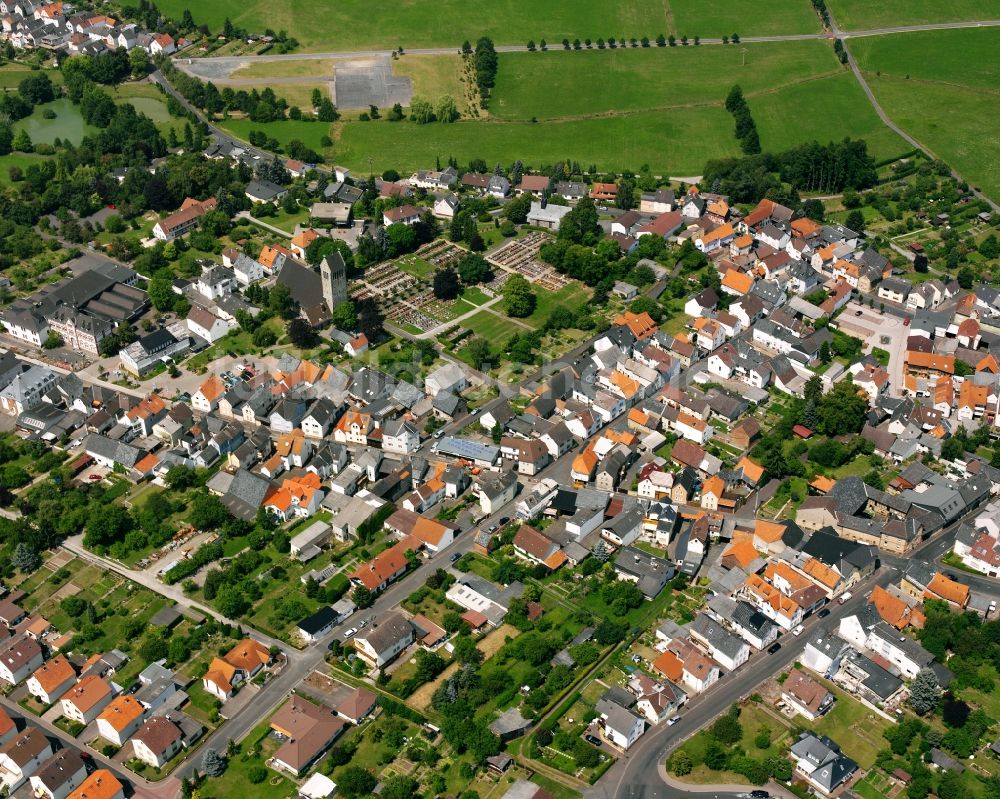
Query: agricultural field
column 866, row 15
column 696, row 18
column 941, row 87
column 657, row 106
column 649, row 78
column 350, row 25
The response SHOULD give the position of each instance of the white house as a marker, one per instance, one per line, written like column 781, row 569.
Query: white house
column 620, row 725
column 400, row 436
column 207, row 325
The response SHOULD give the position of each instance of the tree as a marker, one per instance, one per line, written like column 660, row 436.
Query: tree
column 362, row 597
column 990, row 246
column 680, row 763
column 212, row 763
column 25, row 558
column 301, row 333
column 727, row 729
column 474, row 269
column 138, row 62
column 281, row 302
column 580, row 225
column 925, row 693
column 22, row 141
column 966, row 277
column 480, row 353
column 355, row 782
column 370, row 318
column 519, row 299
column 37, row 88
column 421, row 111
column 446, row 285
column 398, row 787
column 344, row 316
column 447, row 111
column 327, row 111
column 856, row 221
column 107, row 524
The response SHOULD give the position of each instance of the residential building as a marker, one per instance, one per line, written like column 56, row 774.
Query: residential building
column 120, row 720
column 307, row 730
column 384, row 640
column 157, row 741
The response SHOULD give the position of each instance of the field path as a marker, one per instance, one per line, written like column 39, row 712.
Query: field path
column 219, row 69
column 886, row 120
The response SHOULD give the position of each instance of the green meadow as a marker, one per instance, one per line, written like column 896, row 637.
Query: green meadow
column 871, row 14
column 351, row 25
column 942, row 87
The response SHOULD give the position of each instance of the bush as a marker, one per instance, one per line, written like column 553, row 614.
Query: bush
column 256, row 774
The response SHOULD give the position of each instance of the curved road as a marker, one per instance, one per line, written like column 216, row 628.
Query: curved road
column 639, row 774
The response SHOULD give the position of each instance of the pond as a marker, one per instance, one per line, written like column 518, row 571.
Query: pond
column 67, row 125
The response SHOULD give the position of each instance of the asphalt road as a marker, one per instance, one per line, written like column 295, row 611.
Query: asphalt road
column 219, row 68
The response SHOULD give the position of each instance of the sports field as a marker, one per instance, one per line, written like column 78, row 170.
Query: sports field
column 871, row 14
column 351, row 24
column 943, row 88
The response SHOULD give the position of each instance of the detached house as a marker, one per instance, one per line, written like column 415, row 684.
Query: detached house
column 120, row 720
column 239, row 664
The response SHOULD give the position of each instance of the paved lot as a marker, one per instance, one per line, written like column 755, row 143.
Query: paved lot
column 365, row 82
column 878, row 330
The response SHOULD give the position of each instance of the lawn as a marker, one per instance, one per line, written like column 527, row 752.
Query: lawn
column 671, row 142
column 653, row 78
column 309, row 132
column 67, row 124
column 940, row 87
column 299, row 68
column 12, row 74
column 21, row 160
column 432, row 76
column 474, row 295
column 695, row 18
column 866, row 15
column 573, row 296
column 494, row 329
column 857, row 729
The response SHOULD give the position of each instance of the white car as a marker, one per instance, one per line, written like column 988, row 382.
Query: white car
column 350, row 632
column 673, row 720
column 798, row 630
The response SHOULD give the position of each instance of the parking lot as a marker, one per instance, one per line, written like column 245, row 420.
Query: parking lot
column 880, row 330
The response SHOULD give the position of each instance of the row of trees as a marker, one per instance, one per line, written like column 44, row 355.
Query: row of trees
column 746, row 128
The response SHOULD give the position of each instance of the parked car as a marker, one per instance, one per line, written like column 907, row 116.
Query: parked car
column 844, row 597
column 759, row 795
column 673, row 720
column 773, row 648
column 455, row 556
column 591, row 739
column 824, row 613
column 798, row 630
column 350, row 632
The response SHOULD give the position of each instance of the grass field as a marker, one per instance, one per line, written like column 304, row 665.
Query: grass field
column 648, row 78
column 495, row 329
column 300, row 68
column 12, row 74
column 942, row 88
column 866, row 14
column 432, row 76
column 697, row 18
column 22, row 160
column 350, row 24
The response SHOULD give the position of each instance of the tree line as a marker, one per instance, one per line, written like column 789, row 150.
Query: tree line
column 746, row 128
column 811, row 167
